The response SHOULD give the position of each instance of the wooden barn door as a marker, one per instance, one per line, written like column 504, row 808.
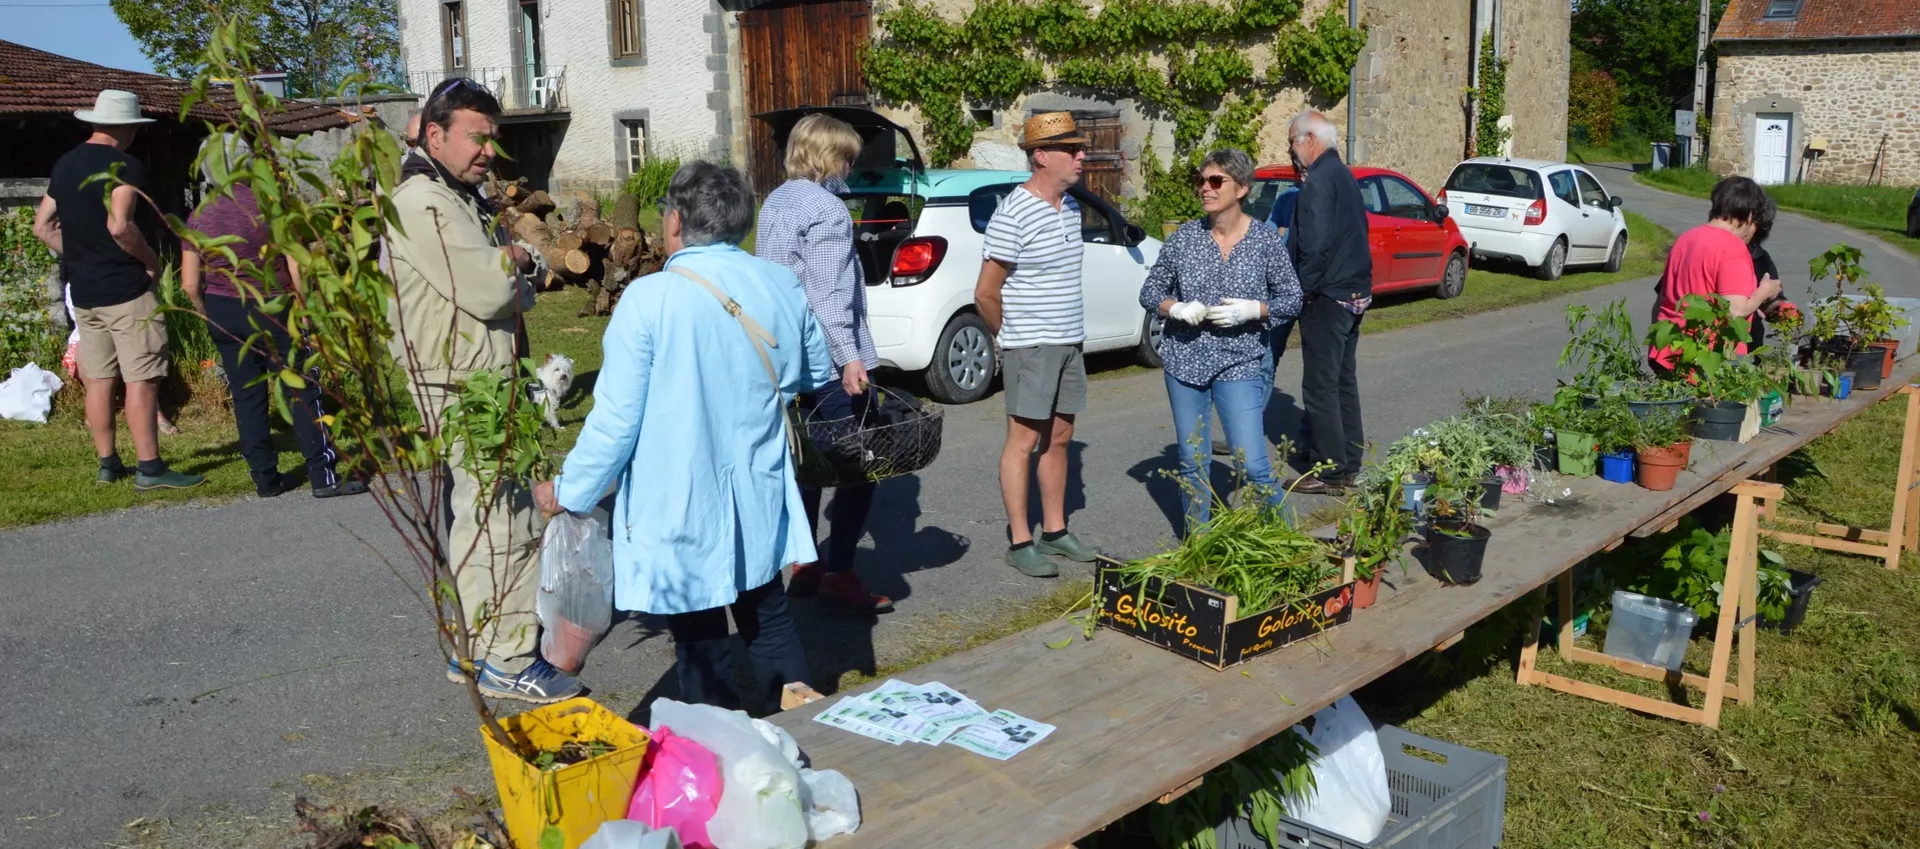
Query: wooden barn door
column 801, row 54
column 1104, row 169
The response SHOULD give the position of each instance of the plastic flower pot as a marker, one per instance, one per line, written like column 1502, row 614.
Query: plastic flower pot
column 1800, row 590
column 1843, row 386
column 577, row 797
column 1413, row 490
column 1513, row 481
column 1772, row 406
column 1577, row 455
column 1490, row 487
column 1366, row 592
column 1456, row 550
column 1617, row 466
column 1658, row 467
column 1719, row 420
column 1642, row 409
column 1865, row 367
column 1891, row 348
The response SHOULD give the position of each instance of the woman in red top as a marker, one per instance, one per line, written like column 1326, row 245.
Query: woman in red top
column 1712, row 259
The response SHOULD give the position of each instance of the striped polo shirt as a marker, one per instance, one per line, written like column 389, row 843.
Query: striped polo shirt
column 1041, row 302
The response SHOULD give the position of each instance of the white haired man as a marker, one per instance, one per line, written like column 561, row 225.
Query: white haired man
column 1328, row 243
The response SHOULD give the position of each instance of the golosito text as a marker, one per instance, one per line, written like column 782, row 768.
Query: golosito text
column 1151, row 615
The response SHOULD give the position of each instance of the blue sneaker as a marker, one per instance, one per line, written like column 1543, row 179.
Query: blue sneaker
column 453, row 670
column 540, row 684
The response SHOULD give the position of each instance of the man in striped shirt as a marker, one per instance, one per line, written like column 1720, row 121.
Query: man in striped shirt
column 1029, row 295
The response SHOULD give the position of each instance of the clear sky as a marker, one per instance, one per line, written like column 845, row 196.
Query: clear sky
column 83, row 29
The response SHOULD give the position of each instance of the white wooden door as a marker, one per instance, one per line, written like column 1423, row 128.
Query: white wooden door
column 1770, row 134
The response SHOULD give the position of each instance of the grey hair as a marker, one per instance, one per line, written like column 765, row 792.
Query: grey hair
column 1235, row 162
column 222, row 154
column 714, row 203
column 1311, row 123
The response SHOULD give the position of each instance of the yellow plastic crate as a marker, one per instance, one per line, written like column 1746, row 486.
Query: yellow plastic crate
column 579, row 797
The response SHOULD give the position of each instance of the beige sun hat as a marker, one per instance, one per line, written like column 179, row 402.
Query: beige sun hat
column 113, row 107
column 1051, row 128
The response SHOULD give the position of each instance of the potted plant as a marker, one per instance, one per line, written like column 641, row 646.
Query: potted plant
column 1613, row 427
column 1456, row 541
column 1864, row 322
column 1872, row 320
column 1603, row 346
column 1662, row 447
column 1512, row 435
column 1573, row 440
column 1373, row 531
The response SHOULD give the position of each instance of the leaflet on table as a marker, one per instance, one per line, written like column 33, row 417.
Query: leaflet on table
column 878, row 711
column 1001, row 735
column 939, row 704
column 836, row 717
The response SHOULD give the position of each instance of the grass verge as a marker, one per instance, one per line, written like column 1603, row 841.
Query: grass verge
column 1619, row 149
column 50, row 467
column 1880, row 211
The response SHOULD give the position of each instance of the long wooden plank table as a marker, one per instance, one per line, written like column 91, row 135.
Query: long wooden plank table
column 1136, row 721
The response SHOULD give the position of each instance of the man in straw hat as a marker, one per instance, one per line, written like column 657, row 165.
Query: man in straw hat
column 111, row 271
column 1029, row 295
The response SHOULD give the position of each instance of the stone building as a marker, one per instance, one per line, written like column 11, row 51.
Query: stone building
column 1818, row 91
column 594, row 87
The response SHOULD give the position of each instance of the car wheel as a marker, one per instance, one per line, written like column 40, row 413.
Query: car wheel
column 1148, row 351
column 1617, row 255
column 1913, row 225
column 1454, row 281
column 1555, row 263
column 964, row 361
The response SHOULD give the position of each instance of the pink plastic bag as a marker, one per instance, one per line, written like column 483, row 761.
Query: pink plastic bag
column 679, row 788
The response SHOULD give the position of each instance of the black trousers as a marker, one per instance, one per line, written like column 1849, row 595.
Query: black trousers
column 703, row 649
column 230, row 322
column 1329, row 386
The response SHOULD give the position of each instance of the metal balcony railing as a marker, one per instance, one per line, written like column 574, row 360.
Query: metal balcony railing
column 519, row 89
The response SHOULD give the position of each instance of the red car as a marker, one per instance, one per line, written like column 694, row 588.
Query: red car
column 1414, row 242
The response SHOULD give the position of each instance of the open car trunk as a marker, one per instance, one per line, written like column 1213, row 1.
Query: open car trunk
column 881, row 220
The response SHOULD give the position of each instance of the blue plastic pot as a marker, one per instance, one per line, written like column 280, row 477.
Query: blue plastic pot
column 1617, row 467
column 1845, row 388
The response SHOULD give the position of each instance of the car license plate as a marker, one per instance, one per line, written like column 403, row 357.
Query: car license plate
column 1489, row 211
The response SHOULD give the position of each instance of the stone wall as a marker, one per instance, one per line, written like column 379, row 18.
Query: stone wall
column 1533, row 38
column 1411, row 107
column 1852, row 93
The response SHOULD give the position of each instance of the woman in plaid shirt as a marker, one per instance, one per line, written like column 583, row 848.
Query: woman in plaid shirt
column 804, row 226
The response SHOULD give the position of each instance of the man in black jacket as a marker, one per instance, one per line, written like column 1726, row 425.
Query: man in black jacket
column 1328, row 243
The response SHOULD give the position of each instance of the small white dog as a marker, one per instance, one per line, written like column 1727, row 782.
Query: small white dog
column 556, row 377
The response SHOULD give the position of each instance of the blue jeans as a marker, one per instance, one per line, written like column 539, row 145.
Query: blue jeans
column 1243, row 407
column 703, row 649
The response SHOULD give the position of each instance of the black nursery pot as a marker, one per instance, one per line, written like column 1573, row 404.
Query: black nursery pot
column 1490, row 492
column 1457, row 560
column 1720, row 420
column 1642, row 409
column 1799, row 588
column 1866, row 367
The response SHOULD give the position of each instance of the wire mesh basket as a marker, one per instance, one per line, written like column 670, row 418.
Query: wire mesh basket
column 897, row 434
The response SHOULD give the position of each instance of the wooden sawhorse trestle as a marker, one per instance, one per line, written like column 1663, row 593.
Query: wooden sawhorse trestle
column 1737, row 615
column 1903, row 530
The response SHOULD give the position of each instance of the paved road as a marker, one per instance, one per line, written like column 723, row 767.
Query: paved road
column 200, row 665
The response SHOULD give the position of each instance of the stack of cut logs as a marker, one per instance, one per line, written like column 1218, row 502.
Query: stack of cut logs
column 602, row 255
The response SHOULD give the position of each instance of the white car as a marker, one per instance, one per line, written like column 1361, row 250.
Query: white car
column 1548, row 215
column 920, row 234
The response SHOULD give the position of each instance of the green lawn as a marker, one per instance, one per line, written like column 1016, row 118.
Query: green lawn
column 1878, row 210
column 1619, row 149
column 50, row 467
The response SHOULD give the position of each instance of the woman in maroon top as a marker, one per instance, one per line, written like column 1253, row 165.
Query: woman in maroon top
column 230, row 300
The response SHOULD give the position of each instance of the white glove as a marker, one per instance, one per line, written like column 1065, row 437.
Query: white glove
column 1232, row 311
column 1191, row 312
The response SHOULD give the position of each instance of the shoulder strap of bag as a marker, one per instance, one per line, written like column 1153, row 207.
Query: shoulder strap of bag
column 762, row 340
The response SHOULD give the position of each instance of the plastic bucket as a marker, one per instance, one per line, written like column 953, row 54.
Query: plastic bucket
column 1617, row 467
column 1457, row 560
column 1653, row 631
column 1577, row 455
column 1719, row 420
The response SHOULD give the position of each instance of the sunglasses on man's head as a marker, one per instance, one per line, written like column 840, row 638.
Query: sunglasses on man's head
column 1213, row 180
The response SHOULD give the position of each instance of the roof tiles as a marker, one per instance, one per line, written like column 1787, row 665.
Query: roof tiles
column 35, row 82
column 1745, row 20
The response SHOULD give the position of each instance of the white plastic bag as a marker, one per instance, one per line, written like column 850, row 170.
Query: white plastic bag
column 575, row 602
column 760, row 800
column 628, row 834
column 27, row 395
column 1350, row 775
column 832, row 805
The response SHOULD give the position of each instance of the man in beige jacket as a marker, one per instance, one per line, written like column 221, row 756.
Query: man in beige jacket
column 459, row 296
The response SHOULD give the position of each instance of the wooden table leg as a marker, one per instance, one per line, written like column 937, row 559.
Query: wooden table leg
column 1748, row 603
column 1566, row 612
column 1906, row 508
column 1530, row 640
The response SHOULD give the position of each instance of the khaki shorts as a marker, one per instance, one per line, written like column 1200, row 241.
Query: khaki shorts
column 128, row 341
column 1043, row 381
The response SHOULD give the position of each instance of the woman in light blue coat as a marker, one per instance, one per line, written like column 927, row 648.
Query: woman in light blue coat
column 688, row 429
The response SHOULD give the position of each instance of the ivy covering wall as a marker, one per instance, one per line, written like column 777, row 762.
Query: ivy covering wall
column 1190, row 62
column 1488, row 135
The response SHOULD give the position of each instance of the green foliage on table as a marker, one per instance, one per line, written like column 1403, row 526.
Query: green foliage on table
column 1661, row 427
column 1612, row 425
column 1872, row 319
column 1248, row 550
column 1706, row 338
column 1003, row 49
column 1603, row 347
column 1258, row 785
column 1373, row 529
column 1507, row 427
column 1491, row 100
